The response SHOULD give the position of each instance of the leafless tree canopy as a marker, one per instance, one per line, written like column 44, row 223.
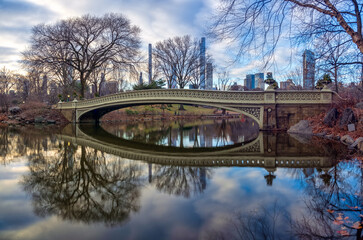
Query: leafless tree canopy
column 6, row 80
column 260, row 24
column 224, row 80
column 84, row 44
column 177, row 58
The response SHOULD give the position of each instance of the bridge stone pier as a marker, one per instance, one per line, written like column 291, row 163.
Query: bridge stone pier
column 270, row 109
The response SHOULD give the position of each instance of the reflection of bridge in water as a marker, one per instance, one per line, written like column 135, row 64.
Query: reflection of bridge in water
column 79, row 183
column 265, row 151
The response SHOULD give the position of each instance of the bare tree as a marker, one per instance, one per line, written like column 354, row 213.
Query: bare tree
column 119, row 75
column 332, row 54
column 178, row 59
column 85, row 44
column 34, row 77
column 6, row 80
column 261, row 24
column 98, row 78
column 224, row 80
column 296, row 75
column 6, row 83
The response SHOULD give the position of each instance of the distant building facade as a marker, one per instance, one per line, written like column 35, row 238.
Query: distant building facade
column 236, row 87
column 288, row 84
column 112, row 87
column 141, row 81
column 250, row 81
column 209, row 74
column 150, row 63
column 308, row 69
column 202, row 63
column 259, row 80
column 173, row 83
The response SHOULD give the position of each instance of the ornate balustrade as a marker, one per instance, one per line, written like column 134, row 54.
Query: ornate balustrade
column 206, row 96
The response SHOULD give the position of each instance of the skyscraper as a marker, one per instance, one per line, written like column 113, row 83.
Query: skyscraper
column 173, row 83
column 308, row 70
column 209, row 74
column 202, row 63
column 141, row 81
column 150, row 64
column 259, row 80
column 250, row 81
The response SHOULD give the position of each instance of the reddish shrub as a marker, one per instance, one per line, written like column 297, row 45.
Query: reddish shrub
column 33, row 105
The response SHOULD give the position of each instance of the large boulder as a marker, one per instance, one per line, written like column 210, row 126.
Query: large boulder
column 15, row 110
column 358, row 143
column 360, row 146
column 302, row 127
column 348, row 117
column 331, row 117
column 38, row 119
column 347, row 140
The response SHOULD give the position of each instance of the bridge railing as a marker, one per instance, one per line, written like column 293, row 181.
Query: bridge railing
column 245, row 97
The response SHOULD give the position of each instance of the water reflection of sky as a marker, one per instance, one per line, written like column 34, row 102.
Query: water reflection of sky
column 161, row 216
column 163, row 212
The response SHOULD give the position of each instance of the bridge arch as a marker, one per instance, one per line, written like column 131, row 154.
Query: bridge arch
column 96, row 112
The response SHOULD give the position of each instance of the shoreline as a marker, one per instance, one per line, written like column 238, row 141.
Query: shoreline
column 17, row 119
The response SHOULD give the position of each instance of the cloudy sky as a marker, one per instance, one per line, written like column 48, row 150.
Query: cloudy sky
column 158, row 20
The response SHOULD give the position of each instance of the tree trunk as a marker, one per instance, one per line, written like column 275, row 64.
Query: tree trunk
column 336, row 78
column 83, row 83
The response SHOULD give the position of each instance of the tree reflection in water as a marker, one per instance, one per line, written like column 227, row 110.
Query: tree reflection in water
column 334, row 202
column 181, row 181
column 334, row 210
column 14, row 143
column 84, row 186
column 80, row 184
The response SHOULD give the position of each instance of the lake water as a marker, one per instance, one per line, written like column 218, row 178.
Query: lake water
column 210, row 179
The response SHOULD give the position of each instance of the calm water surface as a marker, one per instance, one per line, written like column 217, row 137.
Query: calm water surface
column 212, row 179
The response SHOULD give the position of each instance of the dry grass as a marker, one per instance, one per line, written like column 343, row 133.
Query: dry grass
column 34, row 109
column 349, row 101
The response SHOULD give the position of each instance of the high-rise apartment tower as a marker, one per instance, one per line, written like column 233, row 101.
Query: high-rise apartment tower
column 308, row 70
column 202, row 63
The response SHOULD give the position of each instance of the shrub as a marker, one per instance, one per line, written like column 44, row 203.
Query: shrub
column 129, row 112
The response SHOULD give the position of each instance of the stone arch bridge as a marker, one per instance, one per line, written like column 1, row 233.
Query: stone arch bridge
column 270, row 109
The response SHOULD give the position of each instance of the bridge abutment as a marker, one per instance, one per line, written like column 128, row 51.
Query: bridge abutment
column 289, row 115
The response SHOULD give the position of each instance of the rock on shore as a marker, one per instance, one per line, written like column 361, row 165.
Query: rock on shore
column 302, row 127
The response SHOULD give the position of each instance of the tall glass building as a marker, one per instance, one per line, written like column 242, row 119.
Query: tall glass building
column 308, row 70
column 259, row 80
column 250, row 81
